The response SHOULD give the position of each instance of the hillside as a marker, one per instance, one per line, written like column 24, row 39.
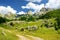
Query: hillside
column 53, row 14
column 31, row 27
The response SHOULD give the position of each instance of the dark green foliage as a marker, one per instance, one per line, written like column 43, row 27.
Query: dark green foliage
column 22, row 18
column 27, row 17
column 22, row 29
column 46, row 25
column 3, row 20
column 53, row 14
column 31, row 18
column 58, row 20
column 55, row 25
column 11, row 24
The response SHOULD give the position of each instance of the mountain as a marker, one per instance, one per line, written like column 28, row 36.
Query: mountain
column 53, row 13
column 43, row 11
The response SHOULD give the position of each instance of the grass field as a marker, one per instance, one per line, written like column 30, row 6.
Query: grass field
column 7, row 35
column 42, row 32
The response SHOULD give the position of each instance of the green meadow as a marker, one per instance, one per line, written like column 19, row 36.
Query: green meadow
column 46, row 26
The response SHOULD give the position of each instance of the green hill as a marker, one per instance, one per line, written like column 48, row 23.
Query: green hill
column 46, row 27
column 53, row 14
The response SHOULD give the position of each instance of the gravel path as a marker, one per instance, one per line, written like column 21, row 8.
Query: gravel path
column 22, row 37
column 28, row 37
column 34, row 38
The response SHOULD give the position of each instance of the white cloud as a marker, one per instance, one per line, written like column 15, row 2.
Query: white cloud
column 7, row 9
column 33, row 6
column 53, row 4
column 36, row 7
column 10, row 9
column 50, row 4
column 34, row 0
column 21, row 12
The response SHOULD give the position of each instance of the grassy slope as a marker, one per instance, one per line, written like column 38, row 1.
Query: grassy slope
column 43, row 32
column 6, row 35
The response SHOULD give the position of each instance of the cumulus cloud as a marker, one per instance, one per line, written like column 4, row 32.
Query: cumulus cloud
column 33, row 6
column 7, row 9
column 10, row 9
column 21, row 12
column 36, row 7
column 50, row 4
column 34, row 0
column 53, row 4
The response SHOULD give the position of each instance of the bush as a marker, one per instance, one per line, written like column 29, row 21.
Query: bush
column 3, row 20
column 57, row 24
column 11, row 24
column 22, row 29
column 27, row 18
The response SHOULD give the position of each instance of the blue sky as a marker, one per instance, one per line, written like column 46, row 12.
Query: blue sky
column 22, row 6
column 16, row 4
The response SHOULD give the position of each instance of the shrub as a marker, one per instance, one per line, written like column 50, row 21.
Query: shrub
column 3, row 20
column 22, row 29
column 11, row 24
